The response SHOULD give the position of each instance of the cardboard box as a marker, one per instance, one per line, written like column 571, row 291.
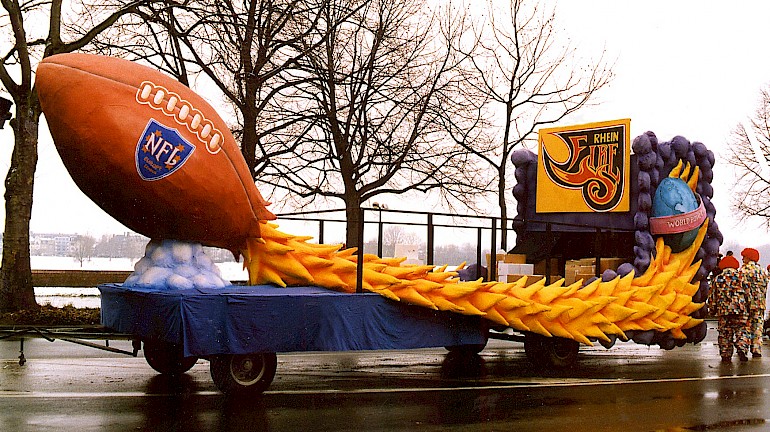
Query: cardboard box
column 540, row 267
column 604, row 264
column 610, row 264
column 575, row 274
column 526, row 269
column 582, row 262
column 509, row 258
column 503, row 258
column 515, row 258
column 504, row 268
column 578, row 269
column 514, row 269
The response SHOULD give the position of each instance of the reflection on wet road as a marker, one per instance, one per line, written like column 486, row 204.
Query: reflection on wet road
column 629, row 387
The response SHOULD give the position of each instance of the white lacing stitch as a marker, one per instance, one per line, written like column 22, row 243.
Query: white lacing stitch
column 182, row 111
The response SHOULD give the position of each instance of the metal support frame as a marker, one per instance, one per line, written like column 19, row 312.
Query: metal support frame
column 549, row 240
column 67, row 335
column 380, row 233
column 431, row 239
column 360, row 260
column 493, row 252
column 597, row 249
column 478, row 253
column 506, row 336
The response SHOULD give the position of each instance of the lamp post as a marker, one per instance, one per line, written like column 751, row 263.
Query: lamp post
column 380, row 208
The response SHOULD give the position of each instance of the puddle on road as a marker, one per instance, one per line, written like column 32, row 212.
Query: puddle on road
column 723, row 425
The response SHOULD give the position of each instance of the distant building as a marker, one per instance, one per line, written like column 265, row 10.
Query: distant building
column 51, row 244
column 126, row 245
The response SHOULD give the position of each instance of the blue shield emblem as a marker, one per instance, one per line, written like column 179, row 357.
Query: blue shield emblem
column 161, row 151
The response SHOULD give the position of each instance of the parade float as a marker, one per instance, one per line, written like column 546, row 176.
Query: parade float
column 159, row 159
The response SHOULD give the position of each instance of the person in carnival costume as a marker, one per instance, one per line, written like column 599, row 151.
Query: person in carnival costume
column 754, row 280
column 728, row 302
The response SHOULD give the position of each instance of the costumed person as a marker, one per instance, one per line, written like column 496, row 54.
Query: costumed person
column 754, row 280
column 728, row 302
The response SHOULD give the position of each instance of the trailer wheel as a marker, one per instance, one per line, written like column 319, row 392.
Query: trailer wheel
column 554, row 352
column 167, row 358
column 243, row 374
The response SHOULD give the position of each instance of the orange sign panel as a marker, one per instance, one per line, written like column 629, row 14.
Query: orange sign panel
column 584, row 168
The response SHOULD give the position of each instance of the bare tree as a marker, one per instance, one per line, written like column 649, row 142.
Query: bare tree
column 382, row 88
column 531, row 80
column 243, row 48
column 396, row 234
column 275, row 60
column 749, row 147
column 29, row 43
column 83, row 248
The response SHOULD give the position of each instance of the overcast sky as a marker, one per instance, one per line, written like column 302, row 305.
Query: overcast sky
column 690, row 68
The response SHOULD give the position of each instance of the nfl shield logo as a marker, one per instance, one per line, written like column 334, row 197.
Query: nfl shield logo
column 161, row 151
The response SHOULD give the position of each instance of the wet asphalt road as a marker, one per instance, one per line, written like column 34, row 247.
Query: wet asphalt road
column 66, row 387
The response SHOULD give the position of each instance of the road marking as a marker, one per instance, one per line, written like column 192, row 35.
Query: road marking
column 535, row 384
column 21, row 395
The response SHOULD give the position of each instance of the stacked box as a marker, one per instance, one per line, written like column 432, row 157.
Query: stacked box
column 585, row 268
column 503, row 258
column 555, row 270
column 506, row 270
column 609, row 264
column 576, row 273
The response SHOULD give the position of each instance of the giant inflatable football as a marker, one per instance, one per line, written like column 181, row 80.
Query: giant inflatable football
column 149, row 151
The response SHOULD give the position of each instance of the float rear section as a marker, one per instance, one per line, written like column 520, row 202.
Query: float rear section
column 668, row 196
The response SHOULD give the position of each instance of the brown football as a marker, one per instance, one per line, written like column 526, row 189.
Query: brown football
column 149, row 151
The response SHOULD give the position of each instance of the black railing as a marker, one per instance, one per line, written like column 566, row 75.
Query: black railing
column 407, row 218
column 432, row 220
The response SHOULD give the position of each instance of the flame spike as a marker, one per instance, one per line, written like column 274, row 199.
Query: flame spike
column 676, row 170
column 660, row 299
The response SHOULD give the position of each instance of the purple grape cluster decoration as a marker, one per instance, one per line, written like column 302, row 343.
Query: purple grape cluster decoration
column 655, row 162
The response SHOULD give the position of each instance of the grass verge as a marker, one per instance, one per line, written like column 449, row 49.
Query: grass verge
column 48, row 315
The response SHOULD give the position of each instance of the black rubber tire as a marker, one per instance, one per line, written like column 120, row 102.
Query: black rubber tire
column 463, row 364
column 243, row 374
column 533, row 348
column 167, row 358
column 554, row 352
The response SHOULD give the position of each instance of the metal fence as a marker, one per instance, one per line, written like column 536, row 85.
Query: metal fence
column 486, row 229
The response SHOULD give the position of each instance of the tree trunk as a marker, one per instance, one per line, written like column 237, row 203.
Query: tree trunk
column 503, row 222
column 354, row 235
column 16, row 290
column 503, row 210
column 249, row 140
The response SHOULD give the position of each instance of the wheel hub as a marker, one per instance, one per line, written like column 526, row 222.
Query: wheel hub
column 246, row 370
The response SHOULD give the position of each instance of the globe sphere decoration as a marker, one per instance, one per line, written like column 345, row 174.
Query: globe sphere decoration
column 677, row 213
